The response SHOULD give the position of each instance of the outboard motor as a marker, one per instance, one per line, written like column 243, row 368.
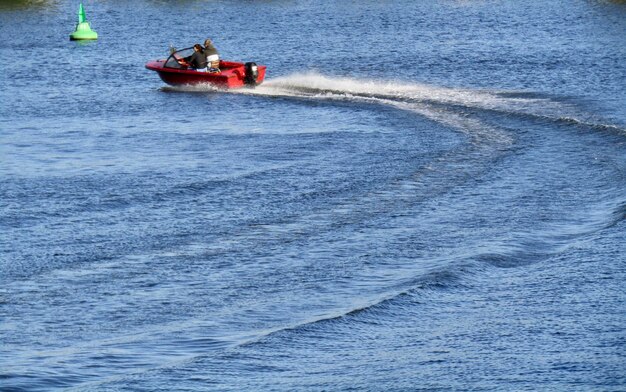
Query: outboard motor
column 252, row 74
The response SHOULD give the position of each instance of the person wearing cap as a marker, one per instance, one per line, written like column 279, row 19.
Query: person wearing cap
column 212, row 56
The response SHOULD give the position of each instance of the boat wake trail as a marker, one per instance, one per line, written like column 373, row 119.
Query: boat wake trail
column 461, row 110
column 430, row 101
column 439, row 105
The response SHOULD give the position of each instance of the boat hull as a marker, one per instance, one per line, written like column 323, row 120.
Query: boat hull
column 232, row 75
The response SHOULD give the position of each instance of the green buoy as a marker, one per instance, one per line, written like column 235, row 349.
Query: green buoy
column 83, row 31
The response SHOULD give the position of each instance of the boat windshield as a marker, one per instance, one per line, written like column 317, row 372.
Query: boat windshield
column 173, row 60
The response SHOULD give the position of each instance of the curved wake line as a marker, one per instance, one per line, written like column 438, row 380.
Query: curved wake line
column 435, row 280
column 455, row 275
column 423, row 100
column 534, row 247
column 314, row 85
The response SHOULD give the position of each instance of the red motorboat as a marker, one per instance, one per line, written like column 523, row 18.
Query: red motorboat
column 231, row 74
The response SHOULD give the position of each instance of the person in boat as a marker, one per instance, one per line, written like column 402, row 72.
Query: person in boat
column 197, row 60
column 212, row 56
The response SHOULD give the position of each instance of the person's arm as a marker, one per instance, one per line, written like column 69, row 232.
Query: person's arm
column 184, row 61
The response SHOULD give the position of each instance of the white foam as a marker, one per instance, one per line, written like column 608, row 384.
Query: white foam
column 421, row 99
column 315, row 84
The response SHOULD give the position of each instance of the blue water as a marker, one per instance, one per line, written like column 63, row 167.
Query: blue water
column 421, row 196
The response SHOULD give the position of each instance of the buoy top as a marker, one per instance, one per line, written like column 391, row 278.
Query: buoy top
column 81, row 14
